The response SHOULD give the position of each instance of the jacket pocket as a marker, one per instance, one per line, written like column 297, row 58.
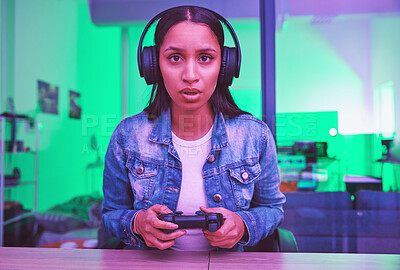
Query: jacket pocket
column 246, row 173
column 142, row 175
column 242, row 180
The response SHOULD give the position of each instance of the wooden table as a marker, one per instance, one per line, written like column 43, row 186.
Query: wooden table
column 304, row 261
column 54, row 258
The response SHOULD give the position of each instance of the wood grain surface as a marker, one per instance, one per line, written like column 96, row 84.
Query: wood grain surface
column 303, row 261
column 57, row 258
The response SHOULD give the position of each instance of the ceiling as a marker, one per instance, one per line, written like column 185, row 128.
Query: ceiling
column 119, row 12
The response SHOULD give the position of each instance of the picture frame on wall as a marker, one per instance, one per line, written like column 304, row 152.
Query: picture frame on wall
column 47, row 97
column 75, row 108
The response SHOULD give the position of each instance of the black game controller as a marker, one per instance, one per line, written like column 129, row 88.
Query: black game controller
column 208, row 221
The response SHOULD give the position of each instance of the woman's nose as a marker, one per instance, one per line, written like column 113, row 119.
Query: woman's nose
column 190, row 72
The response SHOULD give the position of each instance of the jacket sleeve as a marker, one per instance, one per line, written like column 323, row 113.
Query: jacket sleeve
column 266, row 209
column 118, row 211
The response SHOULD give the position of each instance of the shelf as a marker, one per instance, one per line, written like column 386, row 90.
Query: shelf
column 20, row 184
column 19, row 153
column 29, row 141
column 17, row 218
column 18, row 118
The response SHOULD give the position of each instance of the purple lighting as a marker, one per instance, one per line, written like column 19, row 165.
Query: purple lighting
column 337, row 7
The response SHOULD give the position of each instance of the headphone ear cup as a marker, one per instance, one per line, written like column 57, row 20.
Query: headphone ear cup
column 228, row 66
column 150, row 65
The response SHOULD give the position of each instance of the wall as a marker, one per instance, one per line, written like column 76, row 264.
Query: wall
column 99, row 74
column 2, row 30
column 56, row 42
column 7, row 19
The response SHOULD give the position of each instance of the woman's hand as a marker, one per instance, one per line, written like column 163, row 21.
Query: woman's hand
column 148, row 226
column 230, row 232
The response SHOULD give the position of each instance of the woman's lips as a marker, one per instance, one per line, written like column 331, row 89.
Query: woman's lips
column 190, row 90
column 190, row 95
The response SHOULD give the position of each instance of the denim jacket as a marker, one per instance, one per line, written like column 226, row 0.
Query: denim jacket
column 142, row 168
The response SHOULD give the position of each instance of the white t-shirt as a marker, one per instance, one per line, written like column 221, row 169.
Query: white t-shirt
column 193, row 155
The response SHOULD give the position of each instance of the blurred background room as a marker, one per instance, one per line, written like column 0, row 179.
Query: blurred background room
column 324, row 75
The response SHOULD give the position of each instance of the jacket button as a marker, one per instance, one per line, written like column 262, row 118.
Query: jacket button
column 211, row 158
column 217, row 198
column 245, row 176
column 140, row 169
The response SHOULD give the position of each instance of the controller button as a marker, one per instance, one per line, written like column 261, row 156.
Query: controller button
column 178, row 213
column 140, row 169
column 245, row 176
column 217, row 197
column 211, row 158
column 200, row 213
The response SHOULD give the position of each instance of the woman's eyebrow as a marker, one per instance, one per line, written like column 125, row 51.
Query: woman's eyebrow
column 206, row 50
column 171, row 48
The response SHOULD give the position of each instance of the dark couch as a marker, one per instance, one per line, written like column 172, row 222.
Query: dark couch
column 328, row 222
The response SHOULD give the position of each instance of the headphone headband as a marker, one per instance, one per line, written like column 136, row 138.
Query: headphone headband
column 219, row 17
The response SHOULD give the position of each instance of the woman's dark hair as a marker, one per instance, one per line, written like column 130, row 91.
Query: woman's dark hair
column 221, row 100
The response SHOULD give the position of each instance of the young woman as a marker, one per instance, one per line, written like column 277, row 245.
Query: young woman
column 192, row 148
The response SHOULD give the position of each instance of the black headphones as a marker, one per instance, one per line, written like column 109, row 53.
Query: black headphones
column 230, row 60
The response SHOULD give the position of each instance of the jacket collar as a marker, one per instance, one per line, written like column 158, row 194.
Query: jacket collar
column 219, row 138
column 162, row 131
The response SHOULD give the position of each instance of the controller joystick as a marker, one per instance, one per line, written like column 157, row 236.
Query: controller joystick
column 208, row 221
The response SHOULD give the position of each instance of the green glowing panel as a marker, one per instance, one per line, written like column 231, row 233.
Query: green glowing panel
column 305, row 126
column 248, row 100
column 384, row 109
column 246, row 90
column 139, row 92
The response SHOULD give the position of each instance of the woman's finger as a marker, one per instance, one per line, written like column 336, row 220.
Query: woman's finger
column 170, row 236
column 214, row 210
column 159, row 209
column 154, row 242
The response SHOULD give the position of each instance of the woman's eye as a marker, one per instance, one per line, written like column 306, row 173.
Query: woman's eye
column 174, row 58
column 205, row 58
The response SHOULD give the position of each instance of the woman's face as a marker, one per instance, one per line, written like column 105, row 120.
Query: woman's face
column 190, row 60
